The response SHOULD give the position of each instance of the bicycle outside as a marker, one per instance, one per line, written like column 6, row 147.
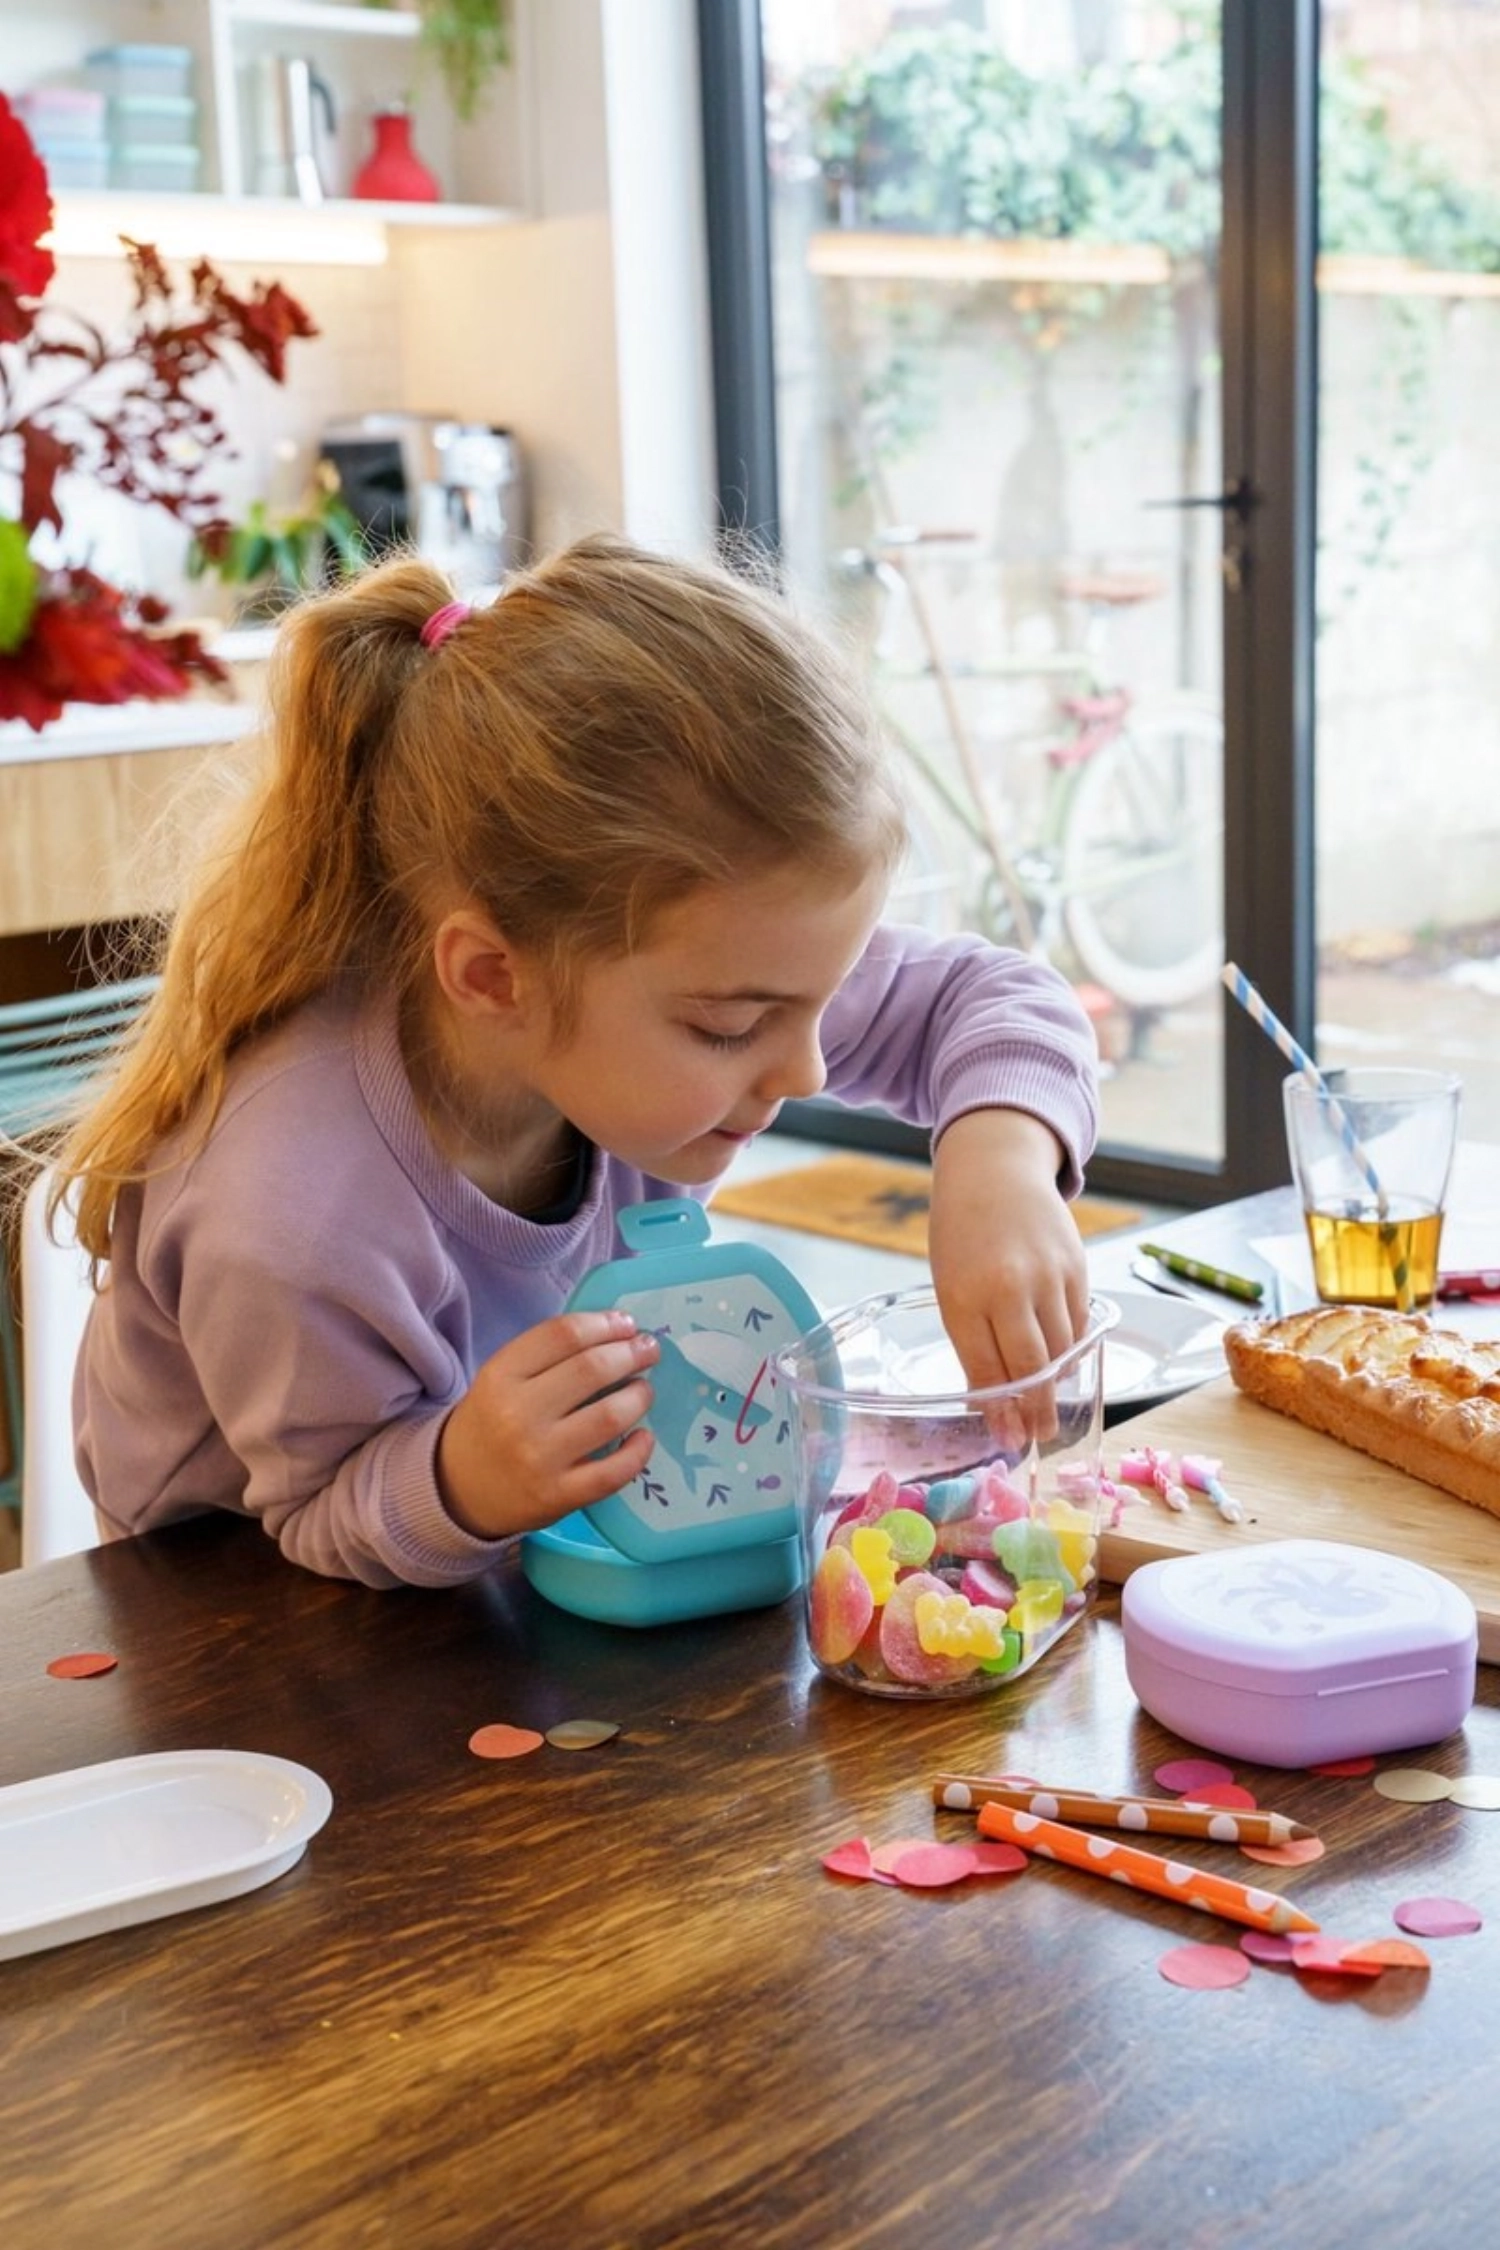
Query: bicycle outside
column 1125, row 865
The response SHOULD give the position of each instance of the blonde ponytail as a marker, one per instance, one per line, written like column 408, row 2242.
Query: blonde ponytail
column 618, row 730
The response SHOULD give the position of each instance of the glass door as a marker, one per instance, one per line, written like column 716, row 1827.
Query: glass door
column 993, row 237
column 1408, row 710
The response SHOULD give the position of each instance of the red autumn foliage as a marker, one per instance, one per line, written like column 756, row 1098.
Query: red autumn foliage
column 125, row 413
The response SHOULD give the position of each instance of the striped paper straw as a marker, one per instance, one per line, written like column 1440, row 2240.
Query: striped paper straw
column 1239, row 985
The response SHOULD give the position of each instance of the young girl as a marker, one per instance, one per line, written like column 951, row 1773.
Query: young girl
column 540, row 909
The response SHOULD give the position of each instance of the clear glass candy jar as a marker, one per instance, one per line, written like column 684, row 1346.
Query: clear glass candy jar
column 950, row 1536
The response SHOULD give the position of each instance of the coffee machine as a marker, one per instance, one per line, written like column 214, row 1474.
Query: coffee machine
column 454, row 490
column 472, row 518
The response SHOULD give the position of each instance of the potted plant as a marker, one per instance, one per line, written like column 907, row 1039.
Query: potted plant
column 468, row 41
column 277, row 554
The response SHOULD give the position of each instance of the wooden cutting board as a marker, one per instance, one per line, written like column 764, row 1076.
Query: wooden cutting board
column 1294, row 1483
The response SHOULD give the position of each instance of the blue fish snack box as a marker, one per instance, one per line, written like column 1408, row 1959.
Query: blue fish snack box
column 710, row 1524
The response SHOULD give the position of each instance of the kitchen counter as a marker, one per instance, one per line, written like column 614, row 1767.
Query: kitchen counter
column 112, row 730
column 99, row 811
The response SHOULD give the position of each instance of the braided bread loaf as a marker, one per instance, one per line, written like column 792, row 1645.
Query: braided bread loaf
column 1425, row 1399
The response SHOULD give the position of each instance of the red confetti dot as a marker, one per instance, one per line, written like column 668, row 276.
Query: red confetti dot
column 1339, row 1768
column 1391, row 1953
column 87, row 1665
column 1299, row 1851
column 852, row 1859
column 1184, row 1775
column 1331, row 1956
column 1204, row 1968
column 1226, row 1794
column 1437, row 1917
column 500, row 1741
column 996, row 1859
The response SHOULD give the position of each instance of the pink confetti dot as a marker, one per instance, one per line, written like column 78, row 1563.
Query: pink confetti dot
column 1266, row 1945
column 931, row 1867
column 1437, row 1917
column 1204, row 1968
column 1186, row 1775
column 1227, row 1794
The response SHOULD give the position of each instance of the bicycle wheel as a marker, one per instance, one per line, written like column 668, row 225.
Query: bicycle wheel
column 1141, row 858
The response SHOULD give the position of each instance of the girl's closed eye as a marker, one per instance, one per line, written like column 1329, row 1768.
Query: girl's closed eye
column 725, row 1042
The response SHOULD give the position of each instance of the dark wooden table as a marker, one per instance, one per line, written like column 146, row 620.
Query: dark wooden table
column 611, row 1998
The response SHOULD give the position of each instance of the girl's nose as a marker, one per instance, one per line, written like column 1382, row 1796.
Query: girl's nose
column 795, row 1073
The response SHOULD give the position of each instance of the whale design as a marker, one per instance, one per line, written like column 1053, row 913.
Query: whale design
column 691, row 1398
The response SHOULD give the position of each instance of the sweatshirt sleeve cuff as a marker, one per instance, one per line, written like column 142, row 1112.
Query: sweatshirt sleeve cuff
column 1045, row 1084
column 424, row 1544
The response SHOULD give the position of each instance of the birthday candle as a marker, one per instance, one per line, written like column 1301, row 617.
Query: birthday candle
column 1143, row 1871
column 1143, row 1467
column 1203, row 1475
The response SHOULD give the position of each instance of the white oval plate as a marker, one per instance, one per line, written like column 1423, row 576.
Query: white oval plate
column 1160, row 1346
column 100, row 1847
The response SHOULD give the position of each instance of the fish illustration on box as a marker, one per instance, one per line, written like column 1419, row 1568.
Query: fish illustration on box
column 695, row 1401
column 719, row 1471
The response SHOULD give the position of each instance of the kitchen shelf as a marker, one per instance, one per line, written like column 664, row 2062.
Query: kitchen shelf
column 88, row 223
column 328, row 15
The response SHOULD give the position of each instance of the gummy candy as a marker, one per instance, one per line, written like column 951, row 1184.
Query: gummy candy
column 1038, row 1605
column 948, row 1625
column 1029, row 1550
column 901, row 1646
column 1074, row 1531
column 968, row 1536
column 999, row 1499
column 840, row 1605
column 873, row 1554
column 986, row 1585
column 950, row 1496
column 1008, row 1658
column 912, row 1536
column 869, row 1506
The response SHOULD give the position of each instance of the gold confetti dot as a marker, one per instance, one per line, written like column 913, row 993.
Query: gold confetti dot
column 1413, row 1785
column 1479, row 1791
column 581, row 1734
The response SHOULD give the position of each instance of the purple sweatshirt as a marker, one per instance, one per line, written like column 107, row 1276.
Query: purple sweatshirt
column 292, row 1310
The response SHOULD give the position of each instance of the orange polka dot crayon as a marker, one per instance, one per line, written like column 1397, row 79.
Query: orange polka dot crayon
column 1143, row 1871
column 1149, row 1816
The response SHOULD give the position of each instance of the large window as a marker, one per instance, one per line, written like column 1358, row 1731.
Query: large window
column 1030, row 405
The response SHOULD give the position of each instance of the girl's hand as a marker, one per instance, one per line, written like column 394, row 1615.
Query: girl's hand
column 516, row 1452
column 1007, row 1259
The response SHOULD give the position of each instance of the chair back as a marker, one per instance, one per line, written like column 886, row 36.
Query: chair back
column 57, row 1516
column 50, row 1048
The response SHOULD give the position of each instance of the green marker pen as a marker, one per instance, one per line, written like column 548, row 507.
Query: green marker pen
column 1212, row 1277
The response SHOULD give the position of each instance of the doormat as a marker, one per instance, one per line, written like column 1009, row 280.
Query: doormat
column 875, row 1200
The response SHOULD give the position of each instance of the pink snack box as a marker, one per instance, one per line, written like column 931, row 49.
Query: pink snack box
column 1294, row 1651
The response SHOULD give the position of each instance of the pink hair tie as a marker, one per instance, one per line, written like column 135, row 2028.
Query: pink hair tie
column 444, row 621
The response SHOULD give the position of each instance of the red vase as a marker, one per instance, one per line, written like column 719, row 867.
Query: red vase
column 393, row 172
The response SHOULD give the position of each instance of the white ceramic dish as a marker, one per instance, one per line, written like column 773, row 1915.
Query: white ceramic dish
column 1160, row 1346
column 103, row 1846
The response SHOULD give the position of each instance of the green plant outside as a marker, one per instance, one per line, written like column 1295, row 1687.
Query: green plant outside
column 936, row 132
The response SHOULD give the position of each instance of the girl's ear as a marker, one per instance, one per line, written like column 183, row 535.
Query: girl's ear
column 478, row 970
